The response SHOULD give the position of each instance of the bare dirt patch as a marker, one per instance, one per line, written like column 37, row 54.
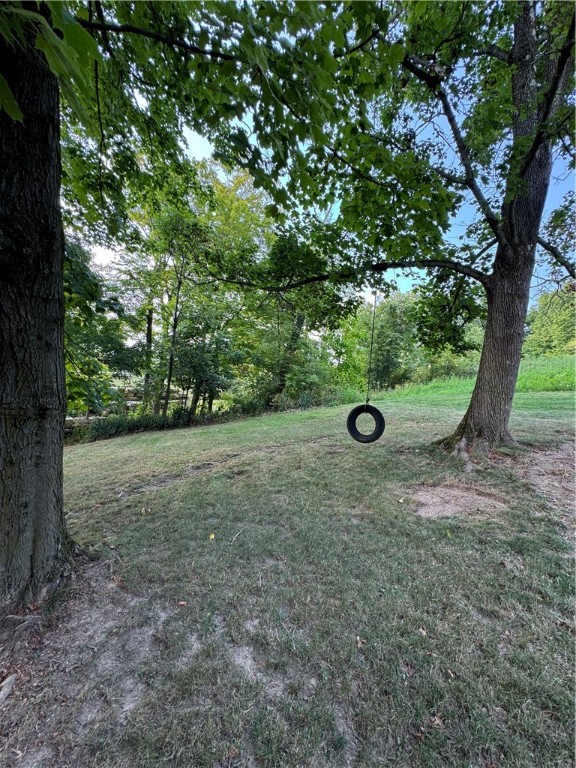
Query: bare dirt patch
column 244, row 658
column 550, row 473
column 448, row 501
column 76, row 671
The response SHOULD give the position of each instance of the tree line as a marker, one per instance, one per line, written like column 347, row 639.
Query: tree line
column 158, row 333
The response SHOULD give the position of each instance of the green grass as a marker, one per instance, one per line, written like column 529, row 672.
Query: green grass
column 547, row 374
column 538, row 375
column 295, row 611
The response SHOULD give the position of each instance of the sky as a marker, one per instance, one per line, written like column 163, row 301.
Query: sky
column 562, row 181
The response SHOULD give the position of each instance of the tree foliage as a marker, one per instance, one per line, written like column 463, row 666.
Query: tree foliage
column 552, row 324
column 94, row 333
column 402, row 114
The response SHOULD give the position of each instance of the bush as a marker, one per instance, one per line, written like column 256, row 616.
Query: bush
column 343, row 395
column 111, row 426
column 444, row 366
column 103, row 428
column 181, row 417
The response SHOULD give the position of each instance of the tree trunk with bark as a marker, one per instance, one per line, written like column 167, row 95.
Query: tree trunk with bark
column 286, row 361
column 32, row 384
column 486, row 422
column 196, row 394
column 147, row 394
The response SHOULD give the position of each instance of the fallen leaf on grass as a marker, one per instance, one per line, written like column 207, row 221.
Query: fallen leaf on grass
column 422, row 631
column 233, row 752
column 437, row 721
column 6, row 687
column 212, row 536
column 409, row 668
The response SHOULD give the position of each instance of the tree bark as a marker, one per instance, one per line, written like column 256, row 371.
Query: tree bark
column 173, row 338
column 286, row 361
column 32, row 384
column 486, row 422
column 147, row 396
column 196, row 394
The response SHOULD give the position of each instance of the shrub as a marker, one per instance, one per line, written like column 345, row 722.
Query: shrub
column 343, row 395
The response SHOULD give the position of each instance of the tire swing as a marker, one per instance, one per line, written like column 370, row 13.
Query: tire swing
column 379, row 422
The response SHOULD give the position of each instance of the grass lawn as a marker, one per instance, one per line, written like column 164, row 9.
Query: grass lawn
column 270, row 593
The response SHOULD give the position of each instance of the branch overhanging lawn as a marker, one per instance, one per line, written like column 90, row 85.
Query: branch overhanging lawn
column 345, row 275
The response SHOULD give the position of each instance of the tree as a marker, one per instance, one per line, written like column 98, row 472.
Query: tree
column 32, row 396
column 439, row 108
column 128, row 76
column 93, row 333
column 395, row 342
column 551, row 324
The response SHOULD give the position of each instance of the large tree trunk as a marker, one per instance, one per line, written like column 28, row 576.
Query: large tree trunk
column 32, row 397
column 486, row 421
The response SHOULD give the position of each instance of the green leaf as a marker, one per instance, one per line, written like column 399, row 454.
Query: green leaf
column 272, row 211
column 203, row 39
column 396, row 54
column 8, row 102
column 81, row 41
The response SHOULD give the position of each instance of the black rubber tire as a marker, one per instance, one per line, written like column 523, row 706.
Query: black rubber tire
column 379, row 424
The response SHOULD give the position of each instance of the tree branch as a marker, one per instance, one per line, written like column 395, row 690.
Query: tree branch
column 486, row 248
column 433, row 81
column 360, row 174
column 98, row 26
column 553, row 91
column 456, row 33
column 451, row 177
column 471, row 182
column 453, row 266
column 379, row 267
column 562, row 260
column 373, row 36
column 496, row 52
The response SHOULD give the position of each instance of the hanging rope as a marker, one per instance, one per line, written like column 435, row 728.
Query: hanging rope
column 355, row 413
column 371, row 348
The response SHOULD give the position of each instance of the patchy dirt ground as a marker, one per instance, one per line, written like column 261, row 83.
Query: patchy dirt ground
column 450, row 500
column 551, row 473
column 60, row 679
column 73, row 673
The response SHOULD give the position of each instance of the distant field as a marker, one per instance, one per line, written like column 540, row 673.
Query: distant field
column 542, row 374
column 547, row 374
column 268, row 593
